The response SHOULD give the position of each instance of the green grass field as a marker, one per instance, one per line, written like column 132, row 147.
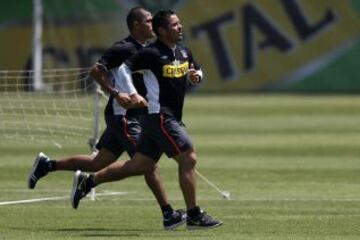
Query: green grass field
column 291, row 163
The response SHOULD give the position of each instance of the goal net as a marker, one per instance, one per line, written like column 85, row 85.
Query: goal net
column 65, row 111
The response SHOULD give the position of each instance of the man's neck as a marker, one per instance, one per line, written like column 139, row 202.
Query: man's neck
column 138, row 38
column 168, row 43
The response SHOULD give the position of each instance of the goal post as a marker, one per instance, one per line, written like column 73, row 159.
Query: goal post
column 96, row 129
column 65, row 111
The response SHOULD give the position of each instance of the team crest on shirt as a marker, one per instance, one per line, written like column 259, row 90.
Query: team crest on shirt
column 184, row 53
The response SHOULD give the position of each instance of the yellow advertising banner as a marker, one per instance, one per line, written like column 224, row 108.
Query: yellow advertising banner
column 64, row 46
column 256, row 45
column 241, row 44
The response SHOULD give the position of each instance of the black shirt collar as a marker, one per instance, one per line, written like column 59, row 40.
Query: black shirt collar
column 164, row 46
column 133, row 40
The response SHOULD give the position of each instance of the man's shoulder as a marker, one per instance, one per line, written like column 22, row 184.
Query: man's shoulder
column 115, row 55
column 123, row 45
column 120, row 50
column 152, row 46
column 150, row 49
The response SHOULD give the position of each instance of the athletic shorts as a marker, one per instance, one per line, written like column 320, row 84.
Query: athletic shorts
column 162, row 133
column 121, row 134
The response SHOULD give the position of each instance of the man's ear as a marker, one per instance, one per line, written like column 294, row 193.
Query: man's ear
column 136, row 24
column 161, row 31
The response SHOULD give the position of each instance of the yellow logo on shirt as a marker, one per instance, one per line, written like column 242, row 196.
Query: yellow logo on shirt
column 175, row 71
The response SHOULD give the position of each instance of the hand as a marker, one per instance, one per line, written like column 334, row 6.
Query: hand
column 137, row 101
column 193, row 74
column 123, row 99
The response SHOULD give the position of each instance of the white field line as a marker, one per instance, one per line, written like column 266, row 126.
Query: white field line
column 254, row 200
column 180, row 199
column 55, row 198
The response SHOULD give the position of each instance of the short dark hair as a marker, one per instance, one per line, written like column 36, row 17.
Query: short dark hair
column 161, row 20
column 135, row 15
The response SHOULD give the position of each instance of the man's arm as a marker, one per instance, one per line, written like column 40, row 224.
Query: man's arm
column 194, row 74
column 100, row 74
column 123, row 77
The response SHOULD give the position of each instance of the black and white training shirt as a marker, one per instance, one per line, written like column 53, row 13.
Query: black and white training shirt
column 110, row 61
column 165, row 76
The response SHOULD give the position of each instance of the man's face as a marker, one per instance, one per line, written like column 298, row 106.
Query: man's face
column 145, row 26
column 174, row 31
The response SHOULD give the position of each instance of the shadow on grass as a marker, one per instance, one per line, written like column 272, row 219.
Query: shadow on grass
column 136, row 232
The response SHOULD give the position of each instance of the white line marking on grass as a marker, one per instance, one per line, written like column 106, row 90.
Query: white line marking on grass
column 246, row 200
column 180, row 199
column 31, row 200
column 37, row 190
column 55, row 198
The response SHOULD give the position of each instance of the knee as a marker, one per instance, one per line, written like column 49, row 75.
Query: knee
column 190, row 160
column 143, row 165
column 151, row 173
column 151, row 169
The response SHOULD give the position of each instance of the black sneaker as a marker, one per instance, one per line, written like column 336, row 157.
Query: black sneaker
column 39, row 170
column 80, row 188
column 202, row 221
column 177, row 218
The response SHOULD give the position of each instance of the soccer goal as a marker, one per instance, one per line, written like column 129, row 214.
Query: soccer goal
column 65, row 111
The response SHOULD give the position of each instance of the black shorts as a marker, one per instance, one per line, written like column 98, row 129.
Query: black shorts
column 162, row 133
column 121, row 134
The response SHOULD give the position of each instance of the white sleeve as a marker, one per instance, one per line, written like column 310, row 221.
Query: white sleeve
column 200, row 72
column 123, row 80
